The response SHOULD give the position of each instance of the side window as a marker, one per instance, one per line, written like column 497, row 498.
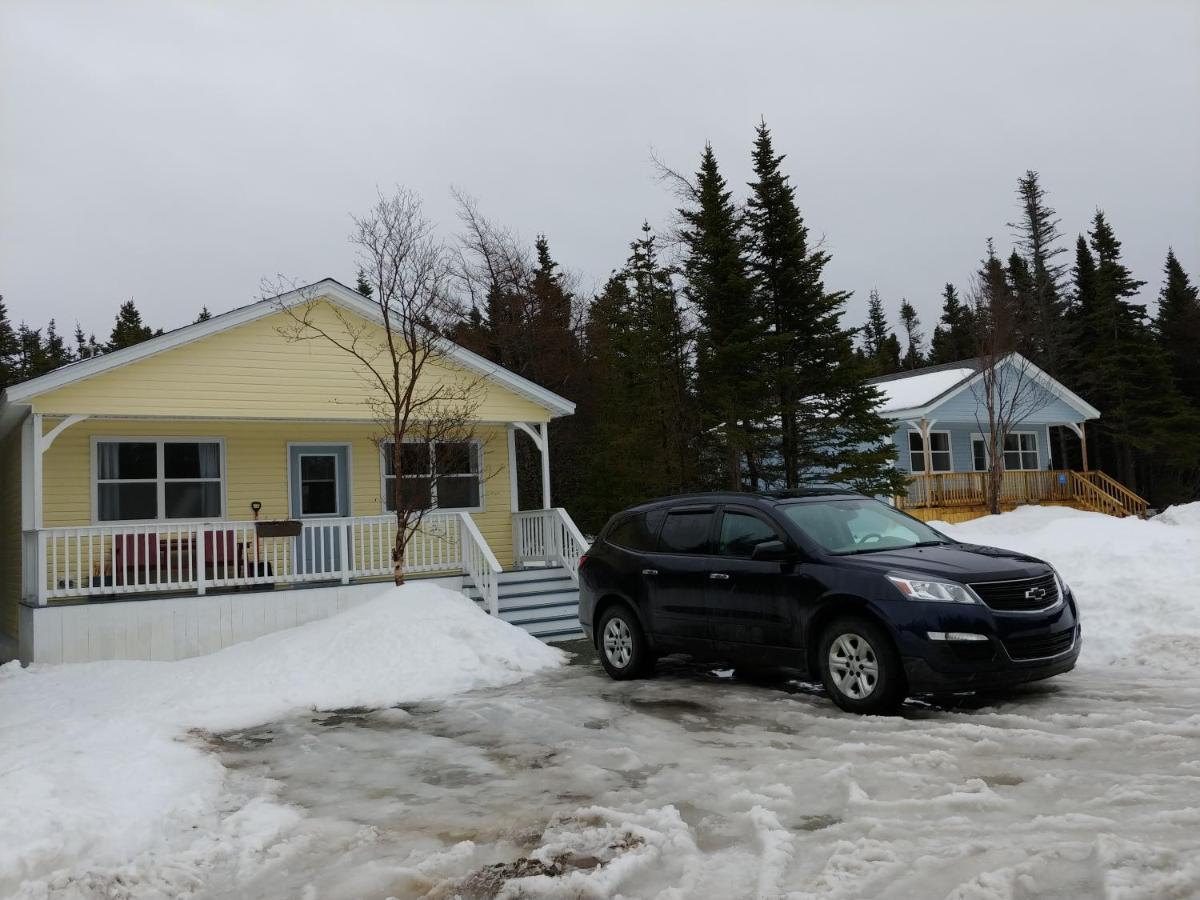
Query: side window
column 632, row 534
column 741, row 533
column 685, row 532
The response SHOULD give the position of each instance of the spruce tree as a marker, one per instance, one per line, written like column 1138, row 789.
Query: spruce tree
column 881, row 348
column 913, row 357
column 10, row 350
column 205, row 315
column 729, row 340
column 55, row 351
column 1038, row 245
column 129, row 328
column 85, row 345
column 953, row 338
column 1177, row 327
column 820, row 397
column 363, row 284
column 31, row 353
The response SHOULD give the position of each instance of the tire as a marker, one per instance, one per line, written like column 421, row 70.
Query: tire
column 860, row 667
column 621, row 644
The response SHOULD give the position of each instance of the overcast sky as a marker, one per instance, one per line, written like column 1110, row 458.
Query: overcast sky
column 178, row 153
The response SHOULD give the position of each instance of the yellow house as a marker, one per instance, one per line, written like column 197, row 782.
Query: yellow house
column 224, row 480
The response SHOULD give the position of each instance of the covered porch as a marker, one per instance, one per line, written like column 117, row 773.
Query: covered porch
column 250, row 512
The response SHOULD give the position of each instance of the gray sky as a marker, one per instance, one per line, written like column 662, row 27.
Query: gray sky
column 178, row 153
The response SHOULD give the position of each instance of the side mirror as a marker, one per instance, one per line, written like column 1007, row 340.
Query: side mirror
column 770, row 551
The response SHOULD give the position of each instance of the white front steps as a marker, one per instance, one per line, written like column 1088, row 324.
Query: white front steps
column 543, row 601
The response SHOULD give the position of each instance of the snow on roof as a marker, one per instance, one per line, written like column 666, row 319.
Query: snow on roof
column 919, row 388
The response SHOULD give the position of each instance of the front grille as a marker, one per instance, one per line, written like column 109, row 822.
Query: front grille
column 1011, row 596
column 1041, row 646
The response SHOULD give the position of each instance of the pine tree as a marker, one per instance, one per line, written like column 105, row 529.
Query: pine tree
column 10, row 350
column 205, row 315
column 818, row 393
column 881, row 348
column 129, row 328
column 1037, row 240
column 363, row 284
column 953, row 338
column 640, row 428
column 55, row 351
column 913, row 357
column 1177, row 327
column 729, row 340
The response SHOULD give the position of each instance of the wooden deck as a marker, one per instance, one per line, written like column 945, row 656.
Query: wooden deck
column 960, row 496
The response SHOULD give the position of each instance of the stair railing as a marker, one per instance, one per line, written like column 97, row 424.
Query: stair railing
column 479, row 563
column 1133, row 504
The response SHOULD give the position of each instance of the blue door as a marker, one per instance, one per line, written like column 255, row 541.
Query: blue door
column 319, row 489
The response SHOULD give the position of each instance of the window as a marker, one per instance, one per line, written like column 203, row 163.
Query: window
column 859, row 526
column 636, row 532
column 318, row 484
column 939, row 451
column 434, row 475
column 741, row 533
column 1020, row 452
column 158, row 479
column 686, row 532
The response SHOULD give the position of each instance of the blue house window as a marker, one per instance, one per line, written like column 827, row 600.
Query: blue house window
column 939, row 451
column 1020, row 452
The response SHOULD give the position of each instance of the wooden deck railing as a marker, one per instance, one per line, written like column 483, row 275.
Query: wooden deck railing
column 957, row 489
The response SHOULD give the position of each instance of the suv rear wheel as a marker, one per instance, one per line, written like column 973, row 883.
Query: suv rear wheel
column 622, row 645
column 860, row 667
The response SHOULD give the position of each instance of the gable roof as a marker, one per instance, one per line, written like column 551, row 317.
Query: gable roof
column 328, row 288
column 913, row 394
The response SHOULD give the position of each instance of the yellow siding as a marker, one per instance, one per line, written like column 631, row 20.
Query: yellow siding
column 10, row 531
column 256, row 460
column 253, row 370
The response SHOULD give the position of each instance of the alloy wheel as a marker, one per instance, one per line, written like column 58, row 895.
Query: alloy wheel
column 853, row 666
column 618, row 642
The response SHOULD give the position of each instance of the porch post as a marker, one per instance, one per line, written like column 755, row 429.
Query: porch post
column 38, row 450
column 927, row 453
column 1080, row 429
column 514, row 500
column 544, row 431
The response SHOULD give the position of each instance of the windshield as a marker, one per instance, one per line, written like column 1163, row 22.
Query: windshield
column 859, row 525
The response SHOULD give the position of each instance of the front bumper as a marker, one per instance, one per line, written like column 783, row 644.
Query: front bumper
column 947, row 666
column 953, row 670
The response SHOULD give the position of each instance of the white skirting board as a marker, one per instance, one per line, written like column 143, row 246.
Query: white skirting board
column 166, row 628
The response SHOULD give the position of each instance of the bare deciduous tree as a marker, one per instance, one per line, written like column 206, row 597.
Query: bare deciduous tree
column 1009, row 388
column 399, row 354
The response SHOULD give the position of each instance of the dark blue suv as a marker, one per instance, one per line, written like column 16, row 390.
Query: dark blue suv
column 875, row 603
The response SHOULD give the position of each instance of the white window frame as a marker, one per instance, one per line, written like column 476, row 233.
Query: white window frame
column 987, row 450
column 477, row 445
column 160, row 476
column 949, row 451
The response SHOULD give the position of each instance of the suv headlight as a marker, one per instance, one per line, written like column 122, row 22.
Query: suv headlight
column 937, row 591
column 1061, row 582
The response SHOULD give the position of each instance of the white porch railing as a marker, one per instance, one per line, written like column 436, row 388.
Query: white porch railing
column 548, row 536
column 160, row 557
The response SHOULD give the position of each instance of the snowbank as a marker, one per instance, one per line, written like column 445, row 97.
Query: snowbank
column 96, row 766
column 1137, row 582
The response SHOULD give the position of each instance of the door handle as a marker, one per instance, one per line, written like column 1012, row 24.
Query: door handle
column 649, row 571
column 718, row 576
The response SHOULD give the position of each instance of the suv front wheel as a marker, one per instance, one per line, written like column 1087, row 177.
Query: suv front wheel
column 860, row 667
column 622, row 645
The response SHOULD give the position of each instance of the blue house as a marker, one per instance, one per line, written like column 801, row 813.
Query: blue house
column 943, row 440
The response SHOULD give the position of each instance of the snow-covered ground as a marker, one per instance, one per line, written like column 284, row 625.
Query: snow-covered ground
column 462, row 774
column 98, row 768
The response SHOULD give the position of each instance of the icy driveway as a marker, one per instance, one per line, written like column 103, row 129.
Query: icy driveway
column 694, row 786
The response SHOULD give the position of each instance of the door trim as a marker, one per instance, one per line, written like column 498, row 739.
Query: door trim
column 349, row 448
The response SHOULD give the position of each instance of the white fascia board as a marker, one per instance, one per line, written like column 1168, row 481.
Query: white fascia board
column 328, row 287
column 1050, row 383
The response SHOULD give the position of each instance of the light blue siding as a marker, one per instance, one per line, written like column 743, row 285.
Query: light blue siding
column 960, row 444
